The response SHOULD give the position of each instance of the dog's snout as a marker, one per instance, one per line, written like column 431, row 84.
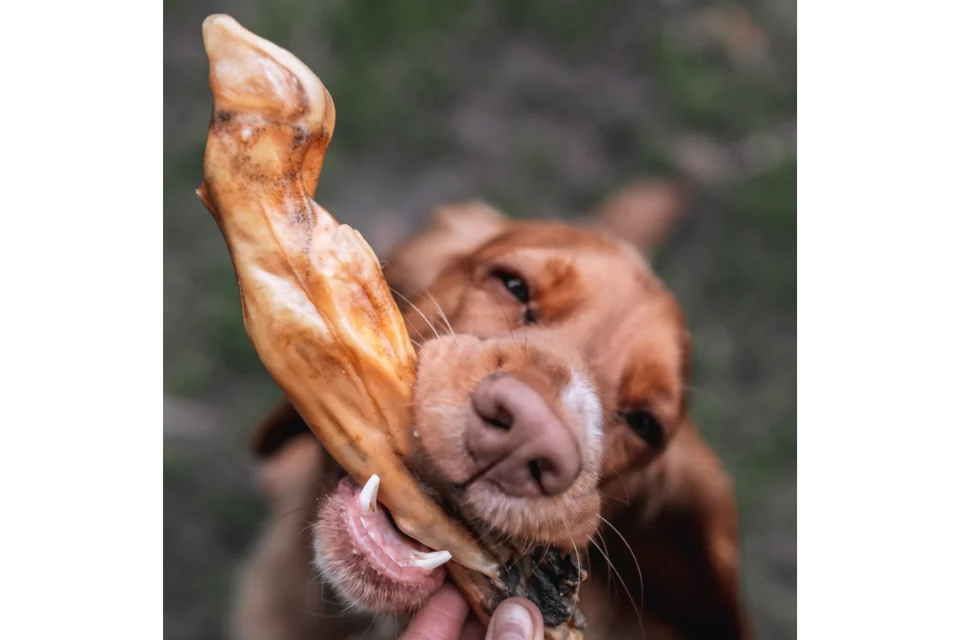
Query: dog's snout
column 519, row 441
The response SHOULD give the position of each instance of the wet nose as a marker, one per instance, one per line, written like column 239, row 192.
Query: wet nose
column 518, row 440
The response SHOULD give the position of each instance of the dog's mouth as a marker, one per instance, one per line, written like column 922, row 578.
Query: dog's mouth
column 377, row 539
column 375, row 566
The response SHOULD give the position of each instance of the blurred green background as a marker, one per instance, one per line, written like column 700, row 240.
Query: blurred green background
column 541, row 108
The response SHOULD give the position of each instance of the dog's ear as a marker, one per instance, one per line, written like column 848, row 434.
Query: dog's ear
column 452, row 231
column 684, row 531
column 276, row 430
column 643, row 213
column 287, row 452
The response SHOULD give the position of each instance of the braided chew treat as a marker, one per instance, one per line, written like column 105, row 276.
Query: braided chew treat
column 314, row 301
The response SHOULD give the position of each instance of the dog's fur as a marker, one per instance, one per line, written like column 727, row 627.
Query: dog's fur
column 599, row 327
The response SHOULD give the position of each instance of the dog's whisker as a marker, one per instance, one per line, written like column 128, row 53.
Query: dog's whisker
column 636, row 563
column 419, row 334
column 607, row 495
column 325, row 616
column 604, row 556
column 302, row 531
column 409, row 324
column 605, row 553
column 527, row 545
column 443, row 316
column 546, row 550
column 280, row 516
column 576, row 593
column 373, row 620
column 417, row 309
column 607, row 550
column 589, row 563
column 341, row 608
column 626, row 589
column 623, row 482
column 507, row 321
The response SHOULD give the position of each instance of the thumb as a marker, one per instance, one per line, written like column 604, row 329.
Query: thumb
column 442, row 618
column 516, row 619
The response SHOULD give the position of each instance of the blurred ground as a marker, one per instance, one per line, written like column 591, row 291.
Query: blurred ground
column 541, row 108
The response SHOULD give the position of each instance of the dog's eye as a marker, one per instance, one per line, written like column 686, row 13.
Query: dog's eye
column 646, row 426
column 514, row 285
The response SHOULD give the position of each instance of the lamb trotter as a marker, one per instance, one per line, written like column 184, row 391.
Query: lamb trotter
column 315, row 304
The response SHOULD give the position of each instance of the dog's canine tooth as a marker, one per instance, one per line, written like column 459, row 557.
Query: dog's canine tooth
column 368, row 497
column 431, row 560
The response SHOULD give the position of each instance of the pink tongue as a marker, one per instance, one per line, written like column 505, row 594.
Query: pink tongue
column 381, row 543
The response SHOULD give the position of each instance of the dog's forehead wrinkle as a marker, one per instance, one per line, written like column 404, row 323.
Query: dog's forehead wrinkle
column 543, row 258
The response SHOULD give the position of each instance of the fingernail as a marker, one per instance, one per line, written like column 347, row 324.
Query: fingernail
column 512, row 622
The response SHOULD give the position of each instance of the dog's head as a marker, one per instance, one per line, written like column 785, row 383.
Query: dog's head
column 551, row 363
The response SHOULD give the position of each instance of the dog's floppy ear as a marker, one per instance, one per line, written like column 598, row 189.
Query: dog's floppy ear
column 643, row 213
column 453, row 231
column 684, row 532
column 288, row 455
column 276, row 430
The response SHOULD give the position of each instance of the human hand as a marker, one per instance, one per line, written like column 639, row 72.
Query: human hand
column 446, row 616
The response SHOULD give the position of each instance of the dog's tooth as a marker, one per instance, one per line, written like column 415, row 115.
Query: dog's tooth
column 368, row 497
column 431, row 560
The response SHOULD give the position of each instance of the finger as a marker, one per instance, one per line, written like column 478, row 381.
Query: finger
column 473, row 630
column 441, row 619
column 516, row 619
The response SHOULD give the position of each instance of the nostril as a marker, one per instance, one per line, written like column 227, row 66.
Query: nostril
column 535, row 471
column 551, row 476
column 502, row 420
column 550, row 479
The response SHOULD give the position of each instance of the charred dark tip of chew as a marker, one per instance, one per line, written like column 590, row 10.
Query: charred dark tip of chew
column 550, row 579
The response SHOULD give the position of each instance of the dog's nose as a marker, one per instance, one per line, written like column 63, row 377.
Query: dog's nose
column 519, row 441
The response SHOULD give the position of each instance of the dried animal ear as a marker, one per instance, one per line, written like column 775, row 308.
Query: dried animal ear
column 643, row 213
column 453, row 231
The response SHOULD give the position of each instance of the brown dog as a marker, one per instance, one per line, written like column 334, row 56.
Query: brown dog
column 552, row 392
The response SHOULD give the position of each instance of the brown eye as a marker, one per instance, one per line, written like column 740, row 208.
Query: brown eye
column 516, row 287
column 513, row 284
column 646, row 426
